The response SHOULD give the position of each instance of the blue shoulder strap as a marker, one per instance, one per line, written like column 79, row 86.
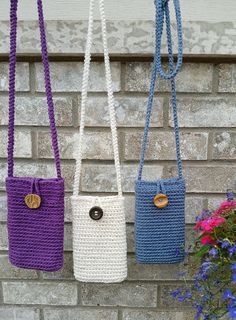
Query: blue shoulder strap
column 163, row 14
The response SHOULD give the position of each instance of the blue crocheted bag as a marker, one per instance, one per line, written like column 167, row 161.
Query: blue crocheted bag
column 160, row 205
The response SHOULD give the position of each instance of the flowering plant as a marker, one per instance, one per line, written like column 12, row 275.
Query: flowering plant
column 213, row 291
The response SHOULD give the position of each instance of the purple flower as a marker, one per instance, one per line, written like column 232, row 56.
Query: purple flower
column 185, row 296
column 232, row 312
column 233, row 267
column 199, row 311
column 205, row 267
column 232, row 250
column 197, row 285
column 188, row 294
column 232, row 303
column 228, row 295
column 234, row 278
column 181, row 298
column 204, row 298
column 225, row 244
column 213, row 252
column 202, row 276
column 176, row 293
column 203, row 215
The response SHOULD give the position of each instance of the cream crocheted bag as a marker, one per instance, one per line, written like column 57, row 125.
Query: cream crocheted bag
column 99, row 233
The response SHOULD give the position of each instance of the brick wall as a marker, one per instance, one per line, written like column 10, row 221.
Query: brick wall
column 207, row 114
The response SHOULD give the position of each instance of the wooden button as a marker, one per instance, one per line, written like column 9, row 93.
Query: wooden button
column 161, row 201
column 33, row 201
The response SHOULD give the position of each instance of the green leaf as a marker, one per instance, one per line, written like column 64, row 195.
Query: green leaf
column 203, row 250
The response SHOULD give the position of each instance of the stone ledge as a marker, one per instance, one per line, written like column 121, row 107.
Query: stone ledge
column 124, row 37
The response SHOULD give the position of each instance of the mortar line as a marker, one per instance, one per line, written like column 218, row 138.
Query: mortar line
column 215, row 80
column 189, row 194
column 41, row 313
column 122, row 77
column 210, row 148
column 120, row 94
column 75, row 112
column 130, row 163
column 158, row 302
column 126, row 129
column 79, row 293
column 120, row 314
column 34, row 144
column 32, row 78
column 1, row 293
column 137, row 57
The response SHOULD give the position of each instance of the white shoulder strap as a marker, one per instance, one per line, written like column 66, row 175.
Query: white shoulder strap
column 84, row 97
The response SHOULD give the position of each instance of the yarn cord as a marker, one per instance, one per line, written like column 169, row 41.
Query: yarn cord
column 163, row 15
column 84, row 97
column 12, row 77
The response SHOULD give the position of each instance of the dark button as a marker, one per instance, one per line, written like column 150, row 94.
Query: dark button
column 96, row 213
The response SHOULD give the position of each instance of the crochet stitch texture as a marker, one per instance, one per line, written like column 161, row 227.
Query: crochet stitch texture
column 35, row 235
column 99, row 246
column 160, row 232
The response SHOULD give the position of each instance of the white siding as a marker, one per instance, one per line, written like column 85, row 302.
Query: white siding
column 193, row 10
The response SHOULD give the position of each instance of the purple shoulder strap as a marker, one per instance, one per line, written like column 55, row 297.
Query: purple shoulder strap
column 12, row 75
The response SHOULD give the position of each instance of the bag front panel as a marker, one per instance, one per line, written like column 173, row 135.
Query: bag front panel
column 99, row 246
column 36, row 235
column 160, row 233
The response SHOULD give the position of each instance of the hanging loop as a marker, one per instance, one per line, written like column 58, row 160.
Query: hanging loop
column 84, row 97
column 158, row 68
column 163, row 13
column 164, row 3
column 47, row 81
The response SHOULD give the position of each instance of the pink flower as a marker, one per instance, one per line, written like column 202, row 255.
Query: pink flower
column 209, row 224
column 216, row 221
column 225, row 206
column 207, row 240
column 198, row 225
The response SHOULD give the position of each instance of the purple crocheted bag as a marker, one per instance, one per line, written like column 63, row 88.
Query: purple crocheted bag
column 35, row 205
